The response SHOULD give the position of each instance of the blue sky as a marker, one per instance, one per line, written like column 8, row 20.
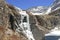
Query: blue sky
column 25, row 4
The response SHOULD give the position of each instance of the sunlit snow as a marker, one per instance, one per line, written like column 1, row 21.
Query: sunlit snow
column 54, row 32
column 48, row 11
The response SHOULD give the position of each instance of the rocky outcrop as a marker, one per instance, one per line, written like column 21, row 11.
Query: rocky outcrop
column 7, row 19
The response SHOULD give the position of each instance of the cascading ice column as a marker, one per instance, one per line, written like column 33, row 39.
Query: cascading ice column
column 25, row 26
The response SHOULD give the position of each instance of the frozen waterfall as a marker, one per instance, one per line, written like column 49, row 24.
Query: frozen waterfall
column 25, row 26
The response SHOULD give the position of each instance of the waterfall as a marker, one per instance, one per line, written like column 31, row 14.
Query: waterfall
column 25, row 26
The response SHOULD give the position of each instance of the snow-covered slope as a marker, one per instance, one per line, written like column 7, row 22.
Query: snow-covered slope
column 39, row 10
column 54, row 32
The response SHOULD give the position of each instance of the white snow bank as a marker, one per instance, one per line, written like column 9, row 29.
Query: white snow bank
column 54, row 32
column 48, row 11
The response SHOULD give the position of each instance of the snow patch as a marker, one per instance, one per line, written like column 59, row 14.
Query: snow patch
column 54, row 32
column 48, row 11
column 38, row 13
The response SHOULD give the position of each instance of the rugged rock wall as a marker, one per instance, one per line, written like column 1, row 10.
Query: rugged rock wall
column 42, row 24
column 7, row 19
column 38, row 34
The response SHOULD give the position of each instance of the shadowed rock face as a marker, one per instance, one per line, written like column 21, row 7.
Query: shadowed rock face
column 38, row 34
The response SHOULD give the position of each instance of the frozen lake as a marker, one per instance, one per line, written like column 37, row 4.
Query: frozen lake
column 52, row 38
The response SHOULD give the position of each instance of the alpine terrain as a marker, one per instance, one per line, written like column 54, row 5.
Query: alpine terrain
column 36, row 23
